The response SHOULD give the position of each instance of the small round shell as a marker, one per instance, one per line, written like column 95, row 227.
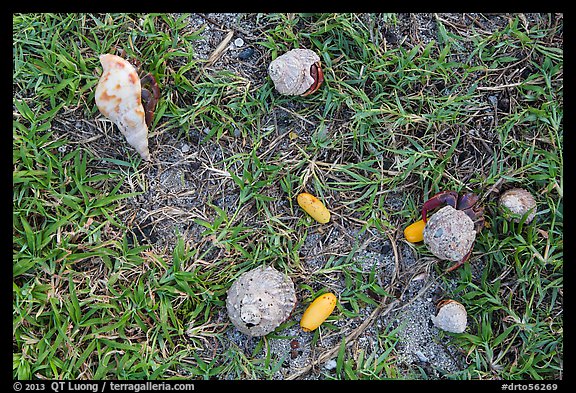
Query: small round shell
column 260, row 300
column 449, row 234
column 517, row 202
column 451, row 317
column 290, row 72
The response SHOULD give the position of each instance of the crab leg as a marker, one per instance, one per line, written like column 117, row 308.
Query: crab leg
column 149, row 99
column 442, row 198
column 461, row 262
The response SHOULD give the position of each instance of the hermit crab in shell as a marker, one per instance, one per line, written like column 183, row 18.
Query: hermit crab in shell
column 451, row 316
column 124, row 98
column 516, row 203
column 296, row 72
column 260, row 300
column 451, row 231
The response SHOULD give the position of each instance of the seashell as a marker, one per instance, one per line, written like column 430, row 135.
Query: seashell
column 451, row 316
column 118, row 97
column 517, row 202
column 449, row 234
column 296, row 72
column 260, row 300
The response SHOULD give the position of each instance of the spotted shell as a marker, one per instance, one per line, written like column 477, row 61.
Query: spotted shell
column 517, row 202
column 451, row 316
column 260, row 300
column 118, row 97
column 290, row 72
column 449, row 234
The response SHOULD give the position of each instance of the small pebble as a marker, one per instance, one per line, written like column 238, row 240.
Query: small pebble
column 185, row 148
column 238, row 42
column 237, row 133
column 330, row 364
column 246, row 54
column 62, row 149
column 421, row 356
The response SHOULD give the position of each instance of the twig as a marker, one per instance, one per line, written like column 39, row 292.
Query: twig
column 218, row 52
column 349, row 339
column 295, row 114
column 221, row 27
column 381, row 310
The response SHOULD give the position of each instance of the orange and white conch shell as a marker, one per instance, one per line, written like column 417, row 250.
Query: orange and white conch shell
column 118, row 97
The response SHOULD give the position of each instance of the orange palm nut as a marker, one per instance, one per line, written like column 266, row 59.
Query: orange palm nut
column 318, row 311
column 414, row 233
column 314, row 207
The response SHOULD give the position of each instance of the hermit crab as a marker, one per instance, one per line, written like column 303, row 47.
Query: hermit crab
column 451, row 316
column 296, row 72
column 124, row 98
column 516, row 203
column 260, row 300
column 450, row 232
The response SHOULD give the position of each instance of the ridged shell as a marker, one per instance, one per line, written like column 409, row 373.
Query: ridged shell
column 118, row 97
column 451, row 317
column 516, row 202
column 260, row 300
column 290, row 72
column 449, row 233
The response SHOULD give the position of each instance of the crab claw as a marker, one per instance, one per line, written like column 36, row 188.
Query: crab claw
column 442, row 198
column 318, row 75
column 468, row 204
column 466, row 201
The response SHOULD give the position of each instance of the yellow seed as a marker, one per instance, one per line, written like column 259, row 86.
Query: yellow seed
column 414, row 233
column 318, row 311
column 314, row 207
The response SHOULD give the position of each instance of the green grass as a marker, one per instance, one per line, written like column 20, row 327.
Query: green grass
column 392, row 120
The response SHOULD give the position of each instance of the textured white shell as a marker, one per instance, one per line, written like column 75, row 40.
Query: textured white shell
column 451, row 317
column 516, row 202
column 290, row 72
column 118, row 97
column 260, row 300
column 449, row 234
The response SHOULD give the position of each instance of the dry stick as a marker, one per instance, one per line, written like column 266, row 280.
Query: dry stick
column 349, row 339
column 367, row 322
column 220, row 49
column 221, row 27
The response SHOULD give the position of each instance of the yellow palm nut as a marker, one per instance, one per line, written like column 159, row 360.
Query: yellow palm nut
column 414, row 232
column 314, row 207
column 318, row 311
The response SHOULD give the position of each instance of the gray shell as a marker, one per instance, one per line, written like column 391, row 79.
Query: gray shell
column 260, row 300
column 449, row 234
column 290, row 72
column 516, row 202
column 451, row 317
